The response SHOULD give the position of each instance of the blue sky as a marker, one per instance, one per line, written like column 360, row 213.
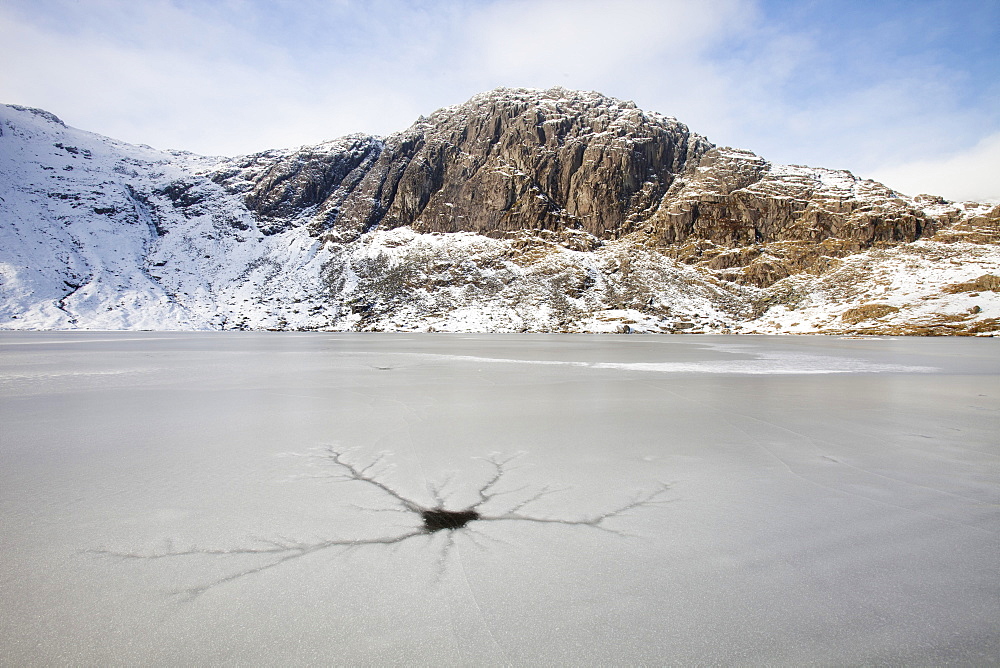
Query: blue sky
column 907, row 92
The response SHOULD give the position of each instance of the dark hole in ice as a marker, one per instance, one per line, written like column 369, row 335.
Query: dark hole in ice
column 437, row 519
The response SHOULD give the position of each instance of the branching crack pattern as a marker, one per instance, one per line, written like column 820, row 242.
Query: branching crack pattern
column 432, row 519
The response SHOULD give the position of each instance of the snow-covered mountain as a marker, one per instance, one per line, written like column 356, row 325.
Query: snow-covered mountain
column 520, row 210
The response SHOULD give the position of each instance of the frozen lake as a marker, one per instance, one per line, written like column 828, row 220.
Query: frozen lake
column 206, row 498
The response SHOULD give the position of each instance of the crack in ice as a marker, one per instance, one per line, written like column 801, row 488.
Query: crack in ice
column 433, row 519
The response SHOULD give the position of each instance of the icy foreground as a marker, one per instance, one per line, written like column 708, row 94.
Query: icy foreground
column 521, row 210
column 210, row 498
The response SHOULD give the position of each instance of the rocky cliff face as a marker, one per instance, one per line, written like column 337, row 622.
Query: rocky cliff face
column 734, row 198
column 520, row 210
column 513, row 160
column 504, row 161
column 756, row 222
column 285, row 187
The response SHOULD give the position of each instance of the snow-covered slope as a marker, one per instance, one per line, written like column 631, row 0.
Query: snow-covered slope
column 99, row 234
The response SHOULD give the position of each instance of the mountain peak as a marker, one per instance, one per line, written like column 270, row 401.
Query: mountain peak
column 47, row 115
column 520, row 158
column 552, row 103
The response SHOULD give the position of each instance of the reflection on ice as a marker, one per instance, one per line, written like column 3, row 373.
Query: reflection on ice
column 762, row 362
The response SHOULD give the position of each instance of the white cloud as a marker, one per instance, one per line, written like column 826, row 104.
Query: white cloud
column 177, row 79
column 654, row 52
column 143, row 88
column 223, row 80
column 235, row 76
column 973, row 174
column 597, row 40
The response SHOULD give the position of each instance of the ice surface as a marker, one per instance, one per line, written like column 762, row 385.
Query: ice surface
column 151, row 484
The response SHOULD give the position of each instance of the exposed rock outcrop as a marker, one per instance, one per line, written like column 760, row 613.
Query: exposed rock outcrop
column 504, row 161
column 515, row 160
column 735, row 198
column 311, row 183
column 512, row 160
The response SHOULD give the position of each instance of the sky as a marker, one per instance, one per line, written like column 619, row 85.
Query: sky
column 903, row 91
